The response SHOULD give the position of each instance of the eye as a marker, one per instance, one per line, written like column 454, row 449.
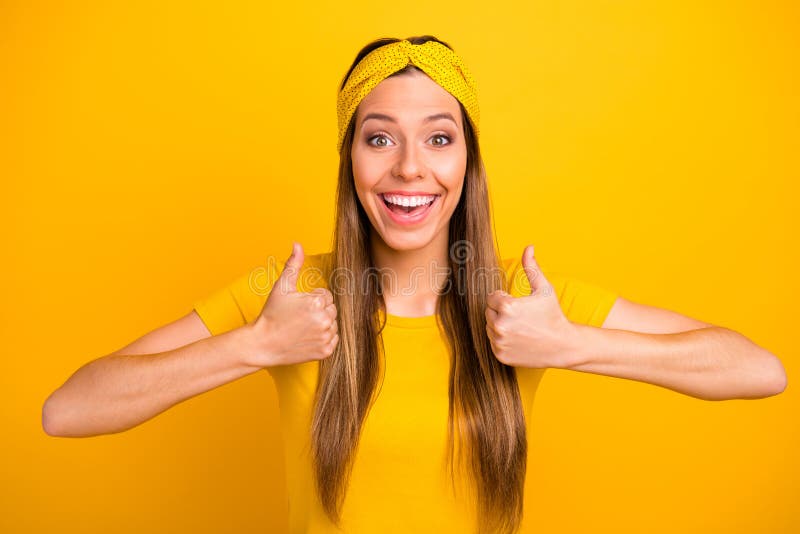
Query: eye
column 378, row 136
column 383, row 140
column 443, row 136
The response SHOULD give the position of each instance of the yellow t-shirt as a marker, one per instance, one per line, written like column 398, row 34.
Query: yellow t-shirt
column 399, row 482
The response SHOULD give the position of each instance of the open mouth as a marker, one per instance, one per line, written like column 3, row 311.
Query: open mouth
column 407, row 205
column 408, row 209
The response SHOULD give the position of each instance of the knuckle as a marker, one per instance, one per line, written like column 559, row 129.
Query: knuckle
column 319, row 320
column 330, row 348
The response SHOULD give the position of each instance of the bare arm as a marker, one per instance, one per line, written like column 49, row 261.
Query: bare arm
column 668, row 349
column 182, row 359
column 157, row 371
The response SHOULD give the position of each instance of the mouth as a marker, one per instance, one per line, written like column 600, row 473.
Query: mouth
column 408, row 209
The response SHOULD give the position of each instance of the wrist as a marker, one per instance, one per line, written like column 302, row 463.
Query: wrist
column 578, row 341
column 254, row 347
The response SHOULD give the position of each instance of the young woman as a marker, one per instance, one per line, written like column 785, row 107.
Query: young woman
column 406, row 360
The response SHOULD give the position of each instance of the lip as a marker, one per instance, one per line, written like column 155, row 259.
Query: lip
column 407, row 220
column 407, row 193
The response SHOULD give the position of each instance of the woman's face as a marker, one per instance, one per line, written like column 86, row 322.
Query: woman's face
column 402, row 156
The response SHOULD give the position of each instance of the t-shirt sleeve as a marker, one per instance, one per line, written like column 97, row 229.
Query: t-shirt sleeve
column 581, row 301
column 240, row 301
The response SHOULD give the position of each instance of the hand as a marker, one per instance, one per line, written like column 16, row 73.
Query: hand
column 294, row 326
column 529, row 331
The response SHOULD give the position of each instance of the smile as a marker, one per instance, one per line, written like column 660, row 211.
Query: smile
column 407, row 209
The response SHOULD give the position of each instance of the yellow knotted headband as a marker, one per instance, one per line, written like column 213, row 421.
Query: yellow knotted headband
column 439, row 62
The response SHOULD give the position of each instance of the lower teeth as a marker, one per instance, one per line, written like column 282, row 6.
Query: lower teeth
column 409, row 209
column 405, row 209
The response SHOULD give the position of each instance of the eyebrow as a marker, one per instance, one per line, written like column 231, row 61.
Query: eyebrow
column 384, row 117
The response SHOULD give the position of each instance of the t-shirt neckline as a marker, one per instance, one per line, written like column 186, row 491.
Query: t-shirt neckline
column 425, row 321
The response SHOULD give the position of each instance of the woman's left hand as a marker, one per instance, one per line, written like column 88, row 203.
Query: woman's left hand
column 530, row 331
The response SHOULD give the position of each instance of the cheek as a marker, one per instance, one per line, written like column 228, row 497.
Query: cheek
column 366, row 172
column 360, row 178
column 453, row 177
column 454, row 189
column 455, row 197
column 451, row 170
column 364, row 184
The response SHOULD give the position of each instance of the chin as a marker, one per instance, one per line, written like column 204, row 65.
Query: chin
column 405, row 243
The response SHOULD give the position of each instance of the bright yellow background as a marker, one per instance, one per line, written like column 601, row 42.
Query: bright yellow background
column 149, row 154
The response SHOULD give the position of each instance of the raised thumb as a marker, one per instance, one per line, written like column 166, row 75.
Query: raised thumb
column 288, row 278
column 535, row 277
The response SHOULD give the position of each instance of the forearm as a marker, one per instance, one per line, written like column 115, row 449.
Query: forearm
column 117, row 392
column 713, row 363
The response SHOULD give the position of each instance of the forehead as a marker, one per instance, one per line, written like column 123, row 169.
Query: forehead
column 409, row 96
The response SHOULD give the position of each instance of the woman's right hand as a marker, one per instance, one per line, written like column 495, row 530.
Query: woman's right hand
column 293, row 326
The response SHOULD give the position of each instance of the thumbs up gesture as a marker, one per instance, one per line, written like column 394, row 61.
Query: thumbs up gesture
column 529, row 331
column 295, row 326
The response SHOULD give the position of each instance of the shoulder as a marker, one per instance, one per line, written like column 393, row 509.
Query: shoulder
column 582, row 301
column 241, row 299
column 517, row 279
column 313, row 273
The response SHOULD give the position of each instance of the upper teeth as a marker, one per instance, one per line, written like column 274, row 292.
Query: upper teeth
column 405, row 200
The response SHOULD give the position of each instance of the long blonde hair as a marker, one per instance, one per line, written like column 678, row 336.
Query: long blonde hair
column 485, row 410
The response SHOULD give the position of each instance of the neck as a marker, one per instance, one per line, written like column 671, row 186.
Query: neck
column 411, row 280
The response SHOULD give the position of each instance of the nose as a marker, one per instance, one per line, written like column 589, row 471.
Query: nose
column 410, row 164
